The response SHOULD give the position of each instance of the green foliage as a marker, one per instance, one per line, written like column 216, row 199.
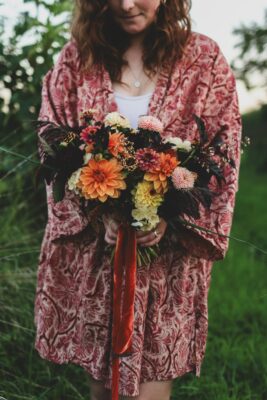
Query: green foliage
column 253, row 49
column 24, row 59
column 254, row 124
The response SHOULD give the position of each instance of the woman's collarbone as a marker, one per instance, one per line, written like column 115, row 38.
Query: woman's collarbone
column 128, row 88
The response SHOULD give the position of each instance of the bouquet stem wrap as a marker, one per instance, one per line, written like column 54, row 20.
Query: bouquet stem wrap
column 123, row 299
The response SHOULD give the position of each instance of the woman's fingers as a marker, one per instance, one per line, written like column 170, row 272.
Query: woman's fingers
column 140, row 234
column 110, row 222
column 149, row 239
column 143, row 238
column 111, row 235
column 110, row 239
column 112, row 227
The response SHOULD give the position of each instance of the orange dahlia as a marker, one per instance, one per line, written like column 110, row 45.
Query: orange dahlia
column 116, row 143
column 159, row 175
column 101, row 178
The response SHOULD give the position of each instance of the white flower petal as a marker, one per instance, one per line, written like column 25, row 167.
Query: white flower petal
column 87, row 157
column 73, row 180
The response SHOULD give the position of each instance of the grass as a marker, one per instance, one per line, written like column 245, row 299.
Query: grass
column 234, row 366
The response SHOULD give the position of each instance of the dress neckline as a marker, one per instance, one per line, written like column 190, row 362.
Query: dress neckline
column 128, row 97
column 157, row 97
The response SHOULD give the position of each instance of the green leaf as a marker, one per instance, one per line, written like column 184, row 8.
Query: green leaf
column 201, row 128
column 59, row 188
column 46, row 147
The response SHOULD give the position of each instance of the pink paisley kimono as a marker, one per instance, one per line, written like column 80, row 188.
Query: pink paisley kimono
column 73, row 295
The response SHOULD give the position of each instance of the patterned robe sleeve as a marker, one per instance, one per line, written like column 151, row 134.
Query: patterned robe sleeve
column 221, row 108
column 59, row 105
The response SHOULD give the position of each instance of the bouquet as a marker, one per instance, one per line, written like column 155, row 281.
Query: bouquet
column 138, row 175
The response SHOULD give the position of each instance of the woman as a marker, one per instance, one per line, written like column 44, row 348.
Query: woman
column 138, row 57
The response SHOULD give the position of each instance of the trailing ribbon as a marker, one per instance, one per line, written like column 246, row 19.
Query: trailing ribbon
column 123, row 299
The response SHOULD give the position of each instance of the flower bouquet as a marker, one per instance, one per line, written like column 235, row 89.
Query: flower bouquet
column 138, row 175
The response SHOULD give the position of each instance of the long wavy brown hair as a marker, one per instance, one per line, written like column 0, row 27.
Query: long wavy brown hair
column 101, row 40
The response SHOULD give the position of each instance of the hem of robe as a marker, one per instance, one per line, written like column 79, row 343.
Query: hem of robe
column 97, row 375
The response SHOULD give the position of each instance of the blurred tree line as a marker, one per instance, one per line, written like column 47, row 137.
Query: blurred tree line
column 253, row 49
column 30, row 50
column 25, row 56
column 251, row 62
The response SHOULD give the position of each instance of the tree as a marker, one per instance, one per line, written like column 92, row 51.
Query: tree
column 24, row 59
column 250, row 63
column 253, row 49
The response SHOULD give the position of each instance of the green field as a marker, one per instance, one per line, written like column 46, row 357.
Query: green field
column 235, row 365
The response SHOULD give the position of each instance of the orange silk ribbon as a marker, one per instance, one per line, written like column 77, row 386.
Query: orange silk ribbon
column 123, row 299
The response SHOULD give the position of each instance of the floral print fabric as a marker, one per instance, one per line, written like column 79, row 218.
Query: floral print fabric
column 73, row 300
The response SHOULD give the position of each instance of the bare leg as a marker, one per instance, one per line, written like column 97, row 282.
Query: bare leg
column 156, row 390
column 160, row 390
column 98, row 390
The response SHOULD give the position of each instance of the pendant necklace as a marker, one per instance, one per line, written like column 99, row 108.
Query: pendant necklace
column 137, row 82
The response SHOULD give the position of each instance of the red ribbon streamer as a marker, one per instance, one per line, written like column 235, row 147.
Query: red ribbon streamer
column 123, row 299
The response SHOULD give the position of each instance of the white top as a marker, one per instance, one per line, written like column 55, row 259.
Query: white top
column 133, row 106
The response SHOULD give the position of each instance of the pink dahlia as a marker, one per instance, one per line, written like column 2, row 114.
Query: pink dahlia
column 182, row 178
column 147, row 159
column 87, row 134
column 150, row 123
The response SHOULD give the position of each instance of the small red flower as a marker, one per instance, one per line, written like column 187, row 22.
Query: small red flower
column 87, row 134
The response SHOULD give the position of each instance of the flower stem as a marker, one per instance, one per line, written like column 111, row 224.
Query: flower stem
column 13, row 153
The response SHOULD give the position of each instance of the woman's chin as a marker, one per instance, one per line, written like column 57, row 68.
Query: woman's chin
column 133, row 30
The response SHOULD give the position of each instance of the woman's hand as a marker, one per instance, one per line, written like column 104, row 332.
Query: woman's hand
column 149, row 238
column 112, row 227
